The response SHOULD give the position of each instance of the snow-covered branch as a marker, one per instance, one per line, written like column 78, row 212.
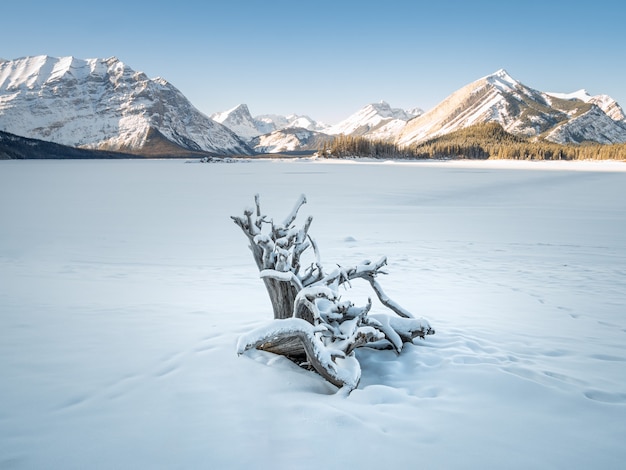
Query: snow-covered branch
column 294, row 213
column 313, row 326
column 287, row 276
column 340, row 369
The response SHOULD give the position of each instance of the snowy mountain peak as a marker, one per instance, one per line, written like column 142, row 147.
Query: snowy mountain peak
column 240, row 121
column 68, row 67
column 237, row 114
column 501, row 73
column 289, row 140
column 240, row 109
column 414, row 112
column 295, row 121
column 607, row 104
column 382, row 108
column 375, row 120
column 581, row 95
column 103, row 104
column 520, row 110
column 502, row 80
column 34, row 72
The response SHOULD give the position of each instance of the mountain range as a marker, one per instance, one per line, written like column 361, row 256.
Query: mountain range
column 104, row 104
column 240, row 121
column 520, row 110
column 376, row 121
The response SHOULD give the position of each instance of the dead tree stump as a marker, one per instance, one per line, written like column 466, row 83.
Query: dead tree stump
column 312, row 325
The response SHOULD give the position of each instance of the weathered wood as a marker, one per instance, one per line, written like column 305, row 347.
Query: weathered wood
column 282, row 295
column 281, row 341
column 311, row 322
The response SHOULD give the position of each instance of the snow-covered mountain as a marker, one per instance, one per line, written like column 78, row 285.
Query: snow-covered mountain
column 240, row 121
column 593, row 125
column 607, row 104
column 278, row 122
column 520, row 110
column 375, row 120
column 104, row 104
column 289, row 140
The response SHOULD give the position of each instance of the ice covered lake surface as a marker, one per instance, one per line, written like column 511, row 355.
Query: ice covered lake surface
column 125, row 285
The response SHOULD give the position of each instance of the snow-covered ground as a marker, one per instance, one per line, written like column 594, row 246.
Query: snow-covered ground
column 124, row 286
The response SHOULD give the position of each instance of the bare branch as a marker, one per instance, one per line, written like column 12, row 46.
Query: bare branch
column 267, row 246
column 301, row 244
column 252, row 228
column 318, row 258
column 407, row 328
column 386, row 301
column 311, row 278
column 281, row 276
column 240, row 222
column 294, row 213
column 257, row 203
column 364, row 270
column 368, row 271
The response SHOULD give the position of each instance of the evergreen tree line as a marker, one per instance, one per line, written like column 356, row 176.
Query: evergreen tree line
column 482, row 141
column 351, row 146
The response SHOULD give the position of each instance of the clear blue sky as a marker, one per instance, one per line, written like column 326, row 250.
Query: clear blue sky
column 329, row 58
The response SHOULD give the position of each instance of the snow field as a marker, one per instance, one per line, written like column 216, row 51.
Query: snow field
column 125, row 287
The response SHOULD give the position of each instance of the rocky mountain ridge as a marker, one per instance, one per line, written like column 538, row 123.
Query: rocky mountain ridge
column 290, row 139
column 240, row 121
column 104, row 104
column 375, row 120
column 520, row 110
column 556, row 117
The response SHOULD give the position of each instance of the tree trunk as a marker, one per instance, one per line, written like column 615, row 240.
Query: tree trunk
column 282, row 295
column 312, row 325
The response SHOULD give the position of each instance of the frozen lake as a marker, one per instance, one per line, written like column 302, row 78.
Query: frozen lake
column 124, row 286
